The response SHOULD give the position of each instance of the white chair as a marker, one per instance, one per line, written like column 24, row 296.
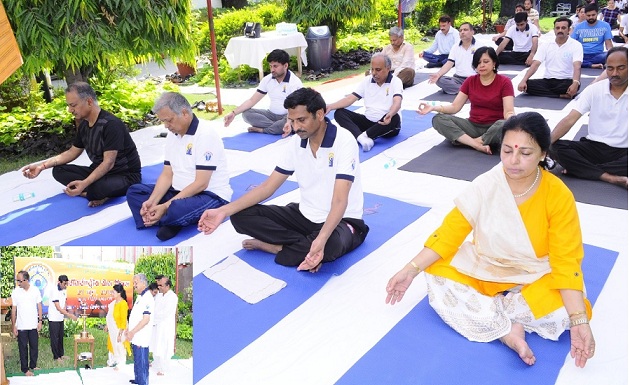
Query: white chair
column 562, row 9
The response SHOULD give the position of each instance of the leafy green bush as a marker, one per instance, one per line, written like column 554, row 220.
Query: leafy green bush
column 157, row 264
column 184, row 332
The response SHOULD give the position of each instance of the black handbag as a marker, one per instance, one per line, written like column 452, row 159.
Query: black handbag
column 252, row 29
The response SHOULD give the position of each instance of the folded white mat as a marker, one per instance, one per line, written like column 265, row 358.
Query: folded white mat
column 242, row 279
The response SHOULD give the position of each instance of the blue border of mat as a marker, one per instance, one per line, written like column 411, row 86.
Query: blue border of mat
column 230, row 324
column 422, row 348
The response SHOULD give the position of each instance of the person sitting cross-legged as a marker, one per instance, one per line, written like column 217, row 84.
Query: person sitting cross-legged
column 602, row 154
column 194, row 178
column 524, row 37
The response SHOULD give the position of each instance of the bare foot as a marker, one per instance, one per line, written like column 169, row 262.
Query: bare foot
column 160, row 373
column 97, row 202
column 256, row 244
column 515, row 340
column 565, row 96
column 614, row 179
column 29, row 373
column 600, row 66
column 116, row 368
column 255, row 129
column 479, row 146
column 316, row 268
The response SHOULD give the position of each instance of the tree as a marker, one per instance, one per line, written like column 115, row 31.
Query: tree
column 335, row 14
column 236, row 4
column 78, row 37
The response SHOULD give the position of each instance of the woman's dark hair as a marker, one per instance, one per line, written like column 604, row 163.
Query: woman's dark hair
column 534, row 124
column 118, row 287
column 490, row 52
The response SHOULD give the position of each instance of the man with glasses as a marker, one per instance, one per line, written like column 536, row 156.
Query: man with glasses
column 108, row 144
column 524, row 37
column 602, row 154
column 194, row 177
column 56, row 314
column 26, row 318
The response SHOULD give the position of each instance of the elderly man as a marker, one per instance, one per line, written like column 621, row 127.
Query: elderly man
column 382, row 93
column 139, row 329
column 26, row 318
column 524, row 37
column 327, row 222
column 445, row 39
column 278, row 84
column 165, row 324
column 460, row 57
column 194, row 178
column 562, row 59
column 402, row 57
column 56, row 314
column 602, row 154
column 115, row 160
column 595, row 36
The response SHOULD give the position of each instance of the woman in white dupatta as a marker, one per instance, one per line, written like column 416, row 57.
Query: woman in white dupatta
column 522, row 271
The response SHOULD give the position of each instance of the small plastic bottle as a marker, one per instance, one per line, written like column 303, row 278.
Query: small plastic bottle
column 390, row 164
column 23, row 196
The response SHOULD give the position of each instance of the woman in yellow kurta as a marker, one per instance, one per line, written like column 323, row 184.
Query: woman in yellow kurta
column 522, row 271
column 116, row 324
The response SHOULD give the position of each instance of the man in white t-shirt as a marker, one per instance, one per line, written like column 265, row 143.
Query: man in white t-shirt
column 56, row 314
column 26, row 318
column 280, row 83
column 524, row 37
column 602, row 154
column 139, row 329
column 460, row 58
column 382, row 95
column 562, row 60
column 194, row 178
column 165, row 324
column 327, row 222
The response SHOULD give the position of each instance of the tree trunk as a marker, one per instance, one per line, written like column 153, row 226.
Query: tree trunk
column 507, row 7
column 236, row 4
column 82, row 75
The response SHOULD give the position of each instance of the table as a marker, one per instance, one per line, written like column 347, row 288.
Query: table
column 83, row 340
column 245, row 50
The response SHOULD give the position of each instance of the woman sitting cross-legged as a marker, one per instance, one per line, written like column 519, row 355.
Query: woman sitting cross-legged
column 491, row 99
column 522, row 271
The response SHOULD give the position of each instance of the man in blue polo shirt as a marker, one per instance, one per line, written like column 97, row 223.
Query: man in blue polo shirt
column 595, row 36
column 278, row 84
column 194, row 178
column 382, row 94
column 327, row 222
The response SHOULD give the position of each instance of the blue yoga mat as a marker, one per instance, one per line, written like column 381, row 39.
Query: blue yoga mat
column 56, row 211
column 125, row 233
column 230, row 323
column 422, row 349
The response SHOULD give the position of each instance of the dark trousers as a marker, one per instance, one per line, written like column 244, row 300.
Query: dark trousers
column 512, row 57
column 589, row 159
column 106, row 187
column 552, row 88
column 286, row 226
column 28, row 340
column 508, row 47
column 56, row 338
column 439, row 60
column 140, row 364
column 357, row 124
column 182, row 212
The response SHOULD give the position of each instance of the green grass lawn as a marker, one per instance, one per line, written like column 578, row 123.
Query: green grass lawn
column 47, row 364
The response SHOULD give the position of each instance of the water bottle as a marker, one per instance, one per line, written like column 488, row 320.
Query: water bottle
column 23, row 196
column 390, row 164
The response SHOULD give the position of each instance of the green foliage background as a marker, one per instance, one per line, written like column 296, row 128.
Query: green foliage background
column 7, row 267
column 156, row 264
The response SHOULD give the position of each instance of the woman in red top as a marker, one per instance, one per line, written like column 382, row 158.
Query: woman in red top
column 491, row 99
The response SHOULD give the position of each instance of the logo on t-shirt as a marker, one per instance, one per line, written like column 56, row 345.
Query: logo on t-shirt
column 208, row 156
column 353, row 164
column 331, row 159
column 189, row 149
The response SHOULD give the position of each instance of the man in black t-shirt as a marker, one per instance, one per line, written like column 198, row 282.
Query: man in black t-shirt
column 115, row 160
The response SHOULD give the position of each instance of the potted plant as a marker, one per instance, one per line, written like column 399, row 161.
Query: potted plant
column 499, row 24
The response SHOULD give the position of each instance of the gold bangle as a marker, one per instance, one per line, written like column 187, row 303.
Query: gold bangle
column 579, row 321
column 415, row 266
column 576, row 313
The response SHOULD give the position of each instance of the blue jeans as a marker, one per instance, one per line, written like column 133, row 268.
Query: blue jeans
column 141, row 364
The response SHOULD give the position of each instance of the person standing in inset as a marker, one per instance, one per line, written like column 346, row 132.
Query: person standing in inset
column 56, row 314
column 117, row 344
column 26, row 318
